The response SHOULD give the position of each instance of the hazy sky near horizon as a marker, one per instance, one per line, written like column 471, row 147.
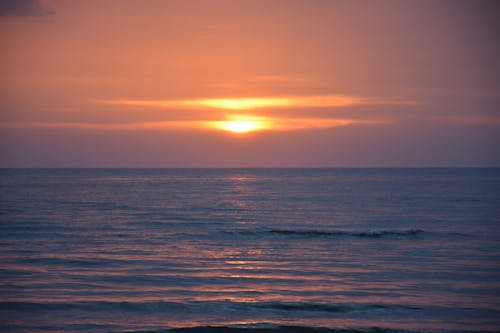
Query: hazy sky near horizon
column 309, row 83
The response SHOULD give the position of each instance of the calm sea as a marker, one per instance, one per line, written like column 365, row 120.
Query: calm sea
column 100, row 250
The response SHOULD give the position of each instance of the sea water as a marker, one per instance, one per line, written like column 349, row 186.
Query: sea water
column 100, row 250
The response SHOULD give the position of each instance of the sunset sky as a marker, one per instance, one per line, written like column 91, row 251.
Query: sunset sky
column 249, row 83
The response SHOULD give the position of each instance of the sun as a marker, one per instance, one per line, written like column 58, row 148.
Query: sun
column 239, row 126
column 242, row 124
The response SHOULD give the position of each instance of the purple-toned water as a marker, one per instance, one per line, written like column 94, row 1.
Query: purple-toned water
column 135, row 249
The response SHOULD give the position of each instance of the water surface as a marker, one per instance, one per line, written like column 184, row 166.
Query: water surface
column 99, row 250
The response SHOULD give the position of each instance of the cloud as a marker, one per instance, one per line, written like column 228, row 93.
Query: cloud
column 68, row 79
column 23, row 8
column 102, row 126
column 248, row 114
column 253, row 113
column 283, row 79
column 225, row 124
column 259, row 123
column 249, row 103
column 473, row 119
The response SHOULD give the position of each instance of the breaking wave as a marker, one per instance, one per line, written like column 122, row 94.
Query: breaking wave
column 332, row 233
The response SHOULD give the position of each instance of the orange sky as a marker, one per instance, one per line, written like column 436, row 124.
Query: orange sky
column 249, row 83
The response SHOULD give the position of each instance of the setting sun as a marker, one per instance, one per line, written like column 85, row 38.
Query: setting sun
column 239, row 126
column 242, row 124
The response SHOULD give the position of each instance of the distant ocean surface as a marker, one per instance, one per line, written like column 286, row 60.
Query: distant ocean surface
column 120, row 250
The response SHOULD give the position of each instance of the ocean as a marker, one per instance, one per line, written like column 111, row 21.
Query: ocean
column 126, row 250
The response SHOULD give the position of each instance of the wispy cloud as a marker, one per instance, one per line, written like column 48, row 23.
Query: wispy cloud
column 226, row 123
column 282, row 79
column 249, row 103
column 259, row 123
column 104, row 126
column 68, row 79
column 473, row 119
column 232, row 114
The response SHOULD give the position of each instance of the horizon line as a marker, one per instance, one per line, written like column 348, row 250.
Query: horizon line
column 240, row 167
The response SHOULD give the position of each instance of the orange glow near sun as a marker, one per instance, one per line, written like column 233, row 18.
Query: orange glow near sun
column 240, row 103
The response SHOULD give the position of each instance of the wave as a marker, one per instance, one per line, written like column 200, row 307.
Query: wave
column 277, row 329
column 371, row 234
column 92, row 306
column 288, row 329
column 71, row 262
column 332, row 233
column 301, row 306
column 163, row 306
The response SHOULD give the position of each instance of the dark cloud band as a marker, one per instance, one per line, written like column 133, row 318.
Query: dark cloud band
column 23, row 8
